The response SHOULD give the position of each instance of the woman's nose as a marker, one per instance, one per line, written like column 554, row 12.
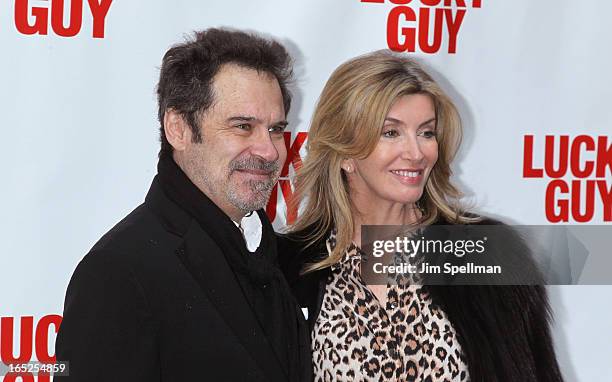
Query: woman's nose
column 411, row 150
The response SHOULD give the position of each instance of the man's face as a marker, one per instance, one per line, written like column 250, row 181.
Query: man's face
column 242, row 150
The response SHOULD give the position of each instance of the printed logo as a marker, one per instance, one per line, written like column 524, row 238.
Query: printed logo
column 33, row 17
column 577, row 184
column 294, row 159
column 34, row 339
column 425, row 26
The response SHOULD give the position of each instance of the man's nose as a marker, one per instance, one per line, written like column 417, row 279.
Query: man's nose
column 263, row 146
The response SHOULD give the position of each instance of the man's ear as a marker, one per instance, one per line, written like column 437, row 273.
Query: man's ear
column 176, row 129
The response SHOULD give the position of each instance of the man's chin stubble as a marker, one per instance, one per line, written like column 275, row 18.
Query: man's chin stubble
column 257, row 198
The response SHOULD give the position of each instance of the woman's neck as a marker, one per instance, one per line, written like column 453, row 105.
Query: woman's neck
column 382, row 214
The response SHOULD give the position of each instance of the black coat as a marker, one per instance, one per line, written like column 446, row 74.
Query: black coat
column 155, row 300
column 503, row 330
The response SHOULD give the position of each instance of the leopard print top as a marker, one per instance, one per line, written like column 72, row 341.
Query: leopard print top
column 356, row 339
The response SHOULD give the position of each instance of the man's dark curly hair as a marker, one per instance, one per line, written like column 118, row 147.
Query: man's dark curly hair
column 188, row 69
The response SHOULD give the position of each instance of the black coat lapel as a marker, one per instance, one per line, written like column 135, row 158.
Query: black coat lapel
column 207, row 264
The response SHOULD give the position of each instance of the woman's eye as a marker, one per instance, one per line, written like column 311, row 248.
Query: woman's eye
column 390, row 133
column 429, row 134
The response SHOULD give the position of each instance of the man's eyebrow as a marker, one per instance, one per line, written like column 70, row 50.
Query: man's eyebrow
column 245, row 118
column 282, row 123
column 241, row 118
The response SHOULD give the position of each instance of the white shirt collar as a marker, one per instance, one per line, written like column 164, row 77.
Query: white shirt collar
column 251, row 228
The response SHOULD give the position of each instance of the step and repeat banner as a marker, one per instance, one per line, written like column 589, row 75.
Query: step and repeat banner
column 532, row 81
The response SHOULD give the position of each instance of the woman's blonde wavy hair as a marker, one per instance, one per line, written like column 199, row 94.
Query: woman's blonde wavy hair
column 347, row 123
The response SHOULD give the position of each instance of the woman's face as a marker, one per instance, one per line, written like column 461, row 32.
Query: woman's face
column 407, row 150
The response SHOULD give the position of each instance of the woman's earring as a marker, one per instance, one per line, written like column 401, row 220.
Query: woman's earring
column 420, row 207
column 348, row 168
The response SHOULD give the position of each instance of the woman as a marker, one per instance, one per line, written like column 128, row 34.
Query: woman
column 380, row 147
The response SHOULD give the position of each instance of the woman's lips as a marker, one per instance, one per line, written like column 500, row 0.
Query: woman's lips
column 409, row 177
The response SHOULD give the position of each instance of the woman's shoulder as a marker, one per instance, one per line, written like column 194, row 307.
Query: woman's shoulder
column 299, row 244
column 475, row 223
column 294, row 253
column 296, row 249
column 303, row 243
column 506, row 245
column 468, row 218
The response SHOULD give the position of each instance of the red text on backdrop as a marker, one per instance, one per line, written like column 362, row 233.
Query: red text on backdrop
column 588, row 178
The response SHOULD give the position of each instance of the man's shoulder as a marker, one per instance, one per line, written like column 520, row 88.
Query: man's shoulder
column 135, row 253
column 137, row 237
column 128, row 231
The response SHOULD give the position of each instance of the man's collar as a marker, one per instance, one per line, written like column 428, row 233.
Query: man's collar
column 174, row 218
column 251, row 229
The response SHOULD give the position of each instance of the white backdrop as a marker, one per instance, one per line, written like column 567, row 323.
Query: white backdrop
column 80, row 132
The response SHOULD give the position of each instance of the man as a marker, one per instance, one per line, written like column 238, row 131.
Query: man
column 186, row 287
